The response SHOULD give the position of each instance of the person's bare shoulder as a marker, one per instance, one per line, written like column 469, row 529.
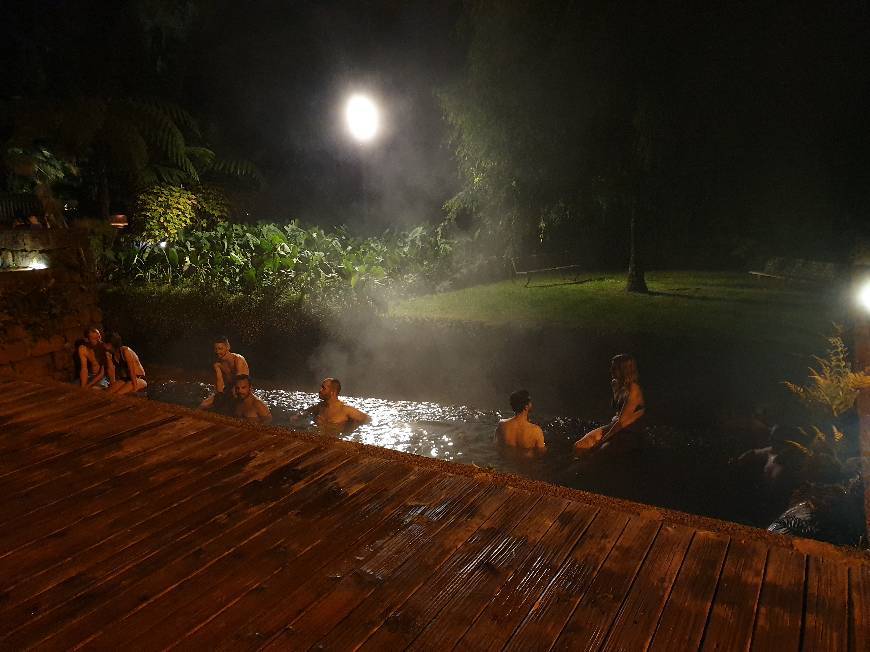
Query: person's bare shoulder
column 540, row 442
column 353, row 414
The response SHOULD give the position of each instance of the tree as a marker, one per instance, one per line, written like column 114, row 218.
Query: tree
column 552, row 130
column 124, row 145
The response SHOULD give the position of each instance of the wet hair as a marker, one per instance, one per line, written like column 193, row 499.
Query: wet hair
column 519, row 400
column 624, row 369
column 335, row 383
column 91, row 329
column 221, row 339
column 242, row 377
column 115, row 341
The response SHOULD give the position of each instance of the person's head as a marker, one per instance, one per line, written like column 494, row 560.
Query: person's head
column 221, row 346
column 114, row 343
column 329, row 388
column 242, row 387
column 520, row 401
column 623, row 369
column 93, row 336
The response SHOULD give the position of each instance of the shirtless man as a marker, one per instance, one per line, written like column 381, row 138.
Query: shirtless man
column 330, row 411
column 247, row 405
column 91, row 358
column 227, row 367
column 518, row 431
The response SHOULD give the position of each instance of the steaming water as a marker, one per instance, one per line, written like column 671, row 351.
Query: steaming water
column 680, row 470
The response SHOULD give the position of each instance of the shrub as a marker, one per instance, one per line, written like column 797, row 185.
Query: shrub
column 305, row 261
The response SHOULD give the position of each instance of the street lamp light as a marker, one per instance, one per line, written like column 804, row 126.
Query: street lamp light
column 864, row 295
column 362, row 118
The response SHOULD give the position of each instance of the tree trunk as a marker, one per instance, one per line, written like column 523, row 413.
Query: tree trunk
column 636, row 281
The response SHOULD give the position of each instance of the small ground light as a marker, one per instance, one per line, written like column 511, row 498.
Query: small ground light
column 864, row 295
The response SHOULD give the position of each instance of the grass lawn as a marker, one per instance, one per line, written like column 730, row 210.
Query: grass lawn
column 734, row 306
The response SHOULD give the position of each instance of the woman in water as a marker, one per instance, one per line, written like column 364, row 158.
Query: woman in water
column 627, row 401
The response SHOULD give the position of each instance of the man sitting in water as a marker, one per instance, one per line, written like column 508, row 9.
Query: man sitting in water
column 331, row 411
column 518, row 431
column 227, row 367
column 246, row 404
column 91, row 359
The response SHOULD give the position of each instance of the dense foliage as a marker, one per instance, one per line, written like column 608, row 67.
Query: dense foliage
column 289, row 257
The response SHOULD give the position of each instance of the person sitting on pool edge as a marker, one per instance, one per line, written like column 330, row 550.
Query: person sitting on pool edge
column 518, row 431
column 627, row 401
column 331, row 411
column 227, row 367
column 90, row 359
column 126, row 373
column 248, row 405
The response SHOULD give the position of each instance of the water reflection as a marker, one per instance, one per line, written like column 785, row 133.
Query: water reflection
column 676, row 469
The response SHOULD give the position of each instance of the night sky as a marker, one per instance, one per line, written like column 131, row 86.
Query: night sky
column 771, row 98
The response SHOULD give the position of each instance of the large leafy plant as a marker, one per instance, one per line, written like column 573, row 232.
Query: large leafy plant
column 303, row 260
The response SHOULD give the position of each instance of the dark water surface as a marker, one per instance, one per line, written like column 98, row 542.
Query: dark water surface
column 679, row 469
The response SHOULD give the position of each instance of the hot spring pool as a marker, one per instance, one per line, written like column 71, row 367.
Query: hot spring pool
column 686, row 470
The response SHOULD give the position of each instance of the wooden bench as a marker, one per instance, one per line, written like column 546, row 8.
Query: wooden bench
column 799, row 270
column 543, row 264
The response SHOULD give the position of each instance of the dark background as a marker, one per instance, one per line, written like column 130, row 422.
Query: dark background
column 766, row 104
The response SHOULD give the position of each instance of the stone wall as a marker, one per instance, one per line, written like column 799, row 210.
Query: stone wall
column 47, row 298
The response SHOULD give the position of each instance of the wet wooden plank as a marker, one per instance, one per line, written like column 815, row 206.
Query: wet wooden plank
column 128, row 525
column 129, row 425
column 174, row 521
column 590, row 623
column 32, row 426
column 399, row 578
column 56, row 491
column 42, row 401
column 636, row 621
column 733, row 615
column 59, row 433
column 280, row 489
column 403, row 624
column 526, row 586
column 306, row 621
column 780, row 606
column 476, row 585
column 23, row 395
column 540, row 629
column 432, row 507
column 328, row 543
column 99, row 465
column 173, row 592
column 132, row 488
column 859, row 603
column 826, row 622
column 685, row 614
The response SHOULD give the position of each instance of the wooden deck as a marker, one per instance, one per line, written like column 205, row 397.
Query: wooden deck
column 127, row 524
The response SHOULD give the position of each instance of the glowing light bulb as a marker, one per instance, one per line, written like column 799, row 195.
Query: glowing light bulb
column 362, row 118
column 864, row 296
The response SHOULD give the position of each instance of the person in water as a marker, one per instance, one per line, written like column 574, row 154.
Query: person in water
column 518, row 431
column 248, row 405
column 331, row 411
column 227, row 367
column 627, row 401
column 91, row 359
column 126, row 373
